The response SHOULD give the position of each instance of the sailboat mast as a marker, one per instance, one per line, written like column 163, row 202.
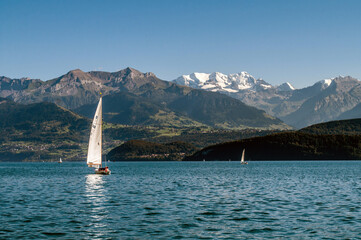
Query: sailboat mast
column 101, row 133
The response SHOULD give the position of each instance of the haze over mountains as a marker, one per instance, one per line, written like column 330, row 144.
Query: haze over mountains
column 326, row 100
column 135, row 98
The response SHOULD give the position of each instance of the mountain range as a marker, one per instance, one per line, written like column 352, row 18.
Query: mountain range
column 199, row 99
column 135, row 98
column 231, row 83
column 326, row 100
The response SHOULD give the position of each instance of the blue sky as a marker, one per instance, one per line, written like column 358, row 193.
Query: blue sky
column 296, row 41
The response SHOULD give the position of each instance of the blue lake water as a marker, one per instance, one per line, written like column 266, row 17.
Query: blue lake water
column 181, row 200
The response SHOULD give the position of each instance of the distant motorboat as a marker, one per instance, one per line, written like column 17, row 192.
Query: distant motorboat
column 242, row 158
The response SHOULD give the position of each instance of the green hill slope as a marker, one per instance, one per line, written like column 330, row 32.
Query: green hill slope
column 40, row 131
column 137, row 150
column 127, row 108
column 347, row 127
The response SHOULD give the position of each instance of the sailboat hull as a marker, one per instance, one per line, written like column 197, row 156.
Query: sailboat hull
column 103, row 171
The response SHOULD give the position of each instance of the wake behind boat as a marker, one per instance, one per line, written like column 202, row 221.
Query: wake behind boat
column 94, row 158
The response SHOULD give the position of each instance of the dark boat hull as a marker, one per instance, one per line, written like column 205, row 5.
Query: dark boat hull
column 104, row 171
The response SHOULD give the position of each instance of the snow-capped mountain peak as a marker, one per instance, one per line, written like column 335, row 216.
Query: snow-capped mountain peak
column 217, row 81
column 286, row 87
column 326, row 82
column 201, row 77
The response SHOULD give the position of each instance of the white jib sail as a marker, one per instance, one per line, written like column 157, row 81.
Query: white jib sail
column 94, row 158
column 242, row 159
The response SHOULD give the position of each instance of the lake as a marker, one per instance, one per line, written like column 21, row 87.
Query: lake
column 182, row 200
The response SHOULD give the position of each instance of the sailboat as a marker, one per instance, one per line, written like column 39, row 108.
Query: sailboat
column 242, row 158
column 94, row 158
column 60, row 161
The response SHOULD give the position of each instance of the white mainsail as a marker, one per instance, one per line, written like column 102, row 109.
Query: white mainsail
column 242, row 159
column 94, row 158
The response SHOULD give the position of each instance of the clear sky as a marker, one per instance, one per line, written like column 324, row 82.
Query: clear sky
column 296, row 41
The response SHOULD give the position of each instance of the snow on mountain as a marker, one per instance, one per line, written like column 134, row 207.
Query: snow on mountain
column 285, row 87
column 326, row 82
column 217, row 81
column 237, row 82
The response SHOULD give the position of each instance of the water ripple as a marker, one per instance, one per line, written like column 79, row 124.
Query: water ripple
column 175, row 200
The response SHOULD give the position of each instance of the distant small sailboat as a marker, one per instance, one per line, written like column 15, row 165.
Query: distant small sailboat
column 242, row 158
column 60, row 161
column 94, row 158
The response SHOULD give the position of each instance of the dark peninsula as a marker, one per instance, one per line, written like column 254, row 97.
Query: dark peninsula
column 336, row 140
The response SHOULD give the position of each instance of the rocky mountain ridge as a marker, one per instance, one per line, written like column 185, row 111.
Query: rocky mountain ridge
column 136, row 98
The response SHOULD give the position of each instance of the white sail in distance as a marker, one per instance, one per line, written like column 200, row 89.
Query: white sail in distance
column 94, row 158
column 242, row 159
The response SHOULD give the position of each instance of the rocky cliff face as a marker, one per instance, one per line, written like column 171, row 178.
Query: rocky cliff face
column 9, row 87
